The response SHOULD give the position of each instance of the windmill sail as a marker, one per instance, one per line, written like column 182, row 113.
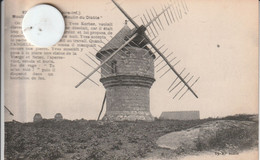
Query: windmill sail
column 138, row 38
column 105, row 61
column 9, row 111
column 172, row 68
column 140, row 32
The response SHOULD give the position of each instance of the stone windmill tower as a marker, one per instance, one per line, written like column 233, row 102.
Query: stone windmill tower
column 127, row 68
column 128, row 80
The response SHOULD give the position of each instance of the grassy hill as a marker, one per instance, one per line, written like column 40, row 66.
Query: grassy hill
column 82, row 139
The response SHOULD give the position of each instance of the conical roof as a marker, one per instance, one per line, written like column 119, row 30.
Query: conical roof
column 117, row 41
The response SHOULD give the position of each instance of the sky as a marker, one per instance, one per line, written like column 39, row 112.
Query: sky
column 216, row 41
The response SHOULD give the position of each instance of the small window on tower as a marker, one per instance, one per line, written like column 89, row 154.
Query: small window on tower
column 114, row 67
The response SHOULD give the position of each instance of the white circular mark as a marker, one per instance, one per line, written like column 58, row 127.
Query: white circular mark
column 43, row 25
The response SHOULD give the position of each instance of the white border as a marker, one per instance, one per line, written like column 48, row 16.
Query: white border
column 2, row 79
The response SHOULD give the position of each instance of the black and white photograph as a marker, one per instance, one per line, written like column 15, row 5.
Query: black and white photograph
column 129, row 80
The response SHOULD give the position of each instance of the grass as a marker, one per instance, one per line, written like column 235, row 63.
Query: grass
column 234, row 138
column 82, row 139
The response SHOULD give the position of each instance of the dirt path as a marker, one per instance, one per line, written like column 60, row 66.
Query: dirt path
column 211, row 140
column 200, row 135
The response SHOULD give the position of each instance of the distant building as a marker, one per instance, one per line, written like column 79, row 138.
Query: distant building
column 181, row 115
column 58, row 117
column 37, row 117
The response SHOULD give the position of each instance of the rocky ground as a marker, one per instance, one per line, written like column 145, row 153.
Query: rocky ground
column 220, row 137
column 82, row 139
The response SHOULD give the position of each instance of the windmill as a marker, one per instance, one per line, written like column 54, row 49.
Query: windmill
column 127, row 64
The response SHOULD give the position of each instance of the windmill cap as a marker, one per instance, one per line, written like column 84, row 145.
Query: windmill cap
column 117, row 41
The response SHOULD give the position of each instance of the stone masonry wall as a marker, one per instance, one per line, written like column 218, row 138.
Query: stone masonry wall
column 135, row 61
column 128, row 85
column 131, row 98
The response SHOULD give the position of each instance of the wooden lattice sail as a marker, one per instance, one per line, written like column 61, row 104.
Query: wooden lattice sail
column 127, row 64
